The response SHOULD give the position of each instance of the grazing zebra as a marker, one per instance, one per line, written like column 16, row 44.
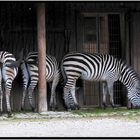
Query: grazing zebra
column 7, row 75
column 29, row 67
column 98, row 67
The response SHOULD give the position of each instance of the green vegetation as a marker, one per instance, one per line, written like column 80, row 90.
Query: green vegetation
column 121, row 112
column 108, row 112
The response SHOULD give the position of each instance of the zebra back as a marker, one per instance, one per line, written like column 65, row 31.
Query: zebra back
column 7, row 58
column 51, row 64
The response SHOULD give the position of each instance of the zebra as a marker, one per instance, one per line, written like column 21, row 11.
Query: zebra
column 98, row 67
column 7, row 76
column 29, row 68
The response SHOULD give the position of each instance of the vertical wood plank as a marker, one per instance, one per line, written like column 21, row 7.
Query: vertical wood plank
column 41, row 38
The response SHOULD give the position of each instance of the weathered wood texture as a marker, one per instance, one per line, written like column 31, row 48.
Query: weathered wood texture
column 135, row 41
column 18, row 29
column 41, row 41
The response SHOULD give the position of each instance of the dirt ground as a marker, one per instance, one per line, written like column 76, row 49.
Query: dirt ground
column 65, row 124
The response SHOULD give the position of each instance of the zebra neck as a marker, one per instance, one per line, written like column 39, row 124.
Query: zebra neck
column 129, row 77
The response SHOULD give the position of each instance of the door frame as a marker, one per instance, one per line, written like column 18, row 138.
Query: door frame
column 80, row 35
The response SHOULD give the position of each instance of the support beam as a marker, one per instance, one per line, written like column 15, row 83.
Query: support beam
column 41, row 39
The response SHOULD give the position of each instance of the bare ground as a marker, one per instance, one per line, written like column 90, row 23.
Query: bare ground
column 65, row 124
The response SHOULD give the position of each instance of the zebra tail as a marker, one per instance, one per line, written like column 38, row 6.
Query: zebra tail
column 26, row 71
column 63, row 73
column 1, row 64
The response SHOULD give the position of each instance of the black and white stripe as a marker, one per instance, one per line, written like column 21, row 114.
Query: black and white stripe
column 98, row 67
column 29, row 69
column 7, row 75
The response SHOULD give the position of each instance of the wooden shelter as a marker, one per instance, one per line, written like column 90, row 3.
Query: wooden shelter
column 102, row 27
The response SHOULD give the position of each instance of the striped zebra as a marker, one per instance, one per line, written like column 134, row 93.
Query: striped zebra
column 98, row 67
column 7, row 76
column 29, row 67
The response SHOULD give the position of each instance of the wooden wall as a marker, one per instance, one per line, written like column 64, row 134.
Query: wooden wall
column 135, row 41
column 18, row 29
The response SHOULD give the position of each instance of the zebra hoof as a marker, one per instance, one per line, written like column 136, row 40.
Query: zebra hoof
column 129, row 108
column 54, row 108
column 73, row 108
column 22, row 109
column 77, row 107
column 9, row 114
column 113, row 106
column 33, row 110
column 69, row 109
column 0, row 113
column 104, row 106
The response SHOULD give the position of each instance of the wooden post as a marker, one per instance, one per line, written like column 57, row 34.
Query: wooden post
column 41, row 39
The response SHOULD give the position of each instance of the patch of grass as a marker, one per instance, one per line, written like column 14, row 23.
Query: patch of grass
column 107, row 112
column 120, row 112
column 24, row 111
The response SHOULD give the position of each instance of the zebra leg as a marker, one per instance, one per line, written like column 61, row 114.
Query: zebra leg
column 8, row 86
column 110, row 89
column 104, row 94
column 53, row 103
column 1, row 100
column 69, row 101
column 23, row 98
column 1, row 94
column 74, row 98
column 69, row 96
column 7, row 93
column 25, row 77
column 30, row 96
column 31, row 88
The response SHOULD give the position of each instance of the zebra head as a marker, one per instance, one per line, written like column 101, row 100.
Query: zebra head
column 136, row 102
column 134, row 96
